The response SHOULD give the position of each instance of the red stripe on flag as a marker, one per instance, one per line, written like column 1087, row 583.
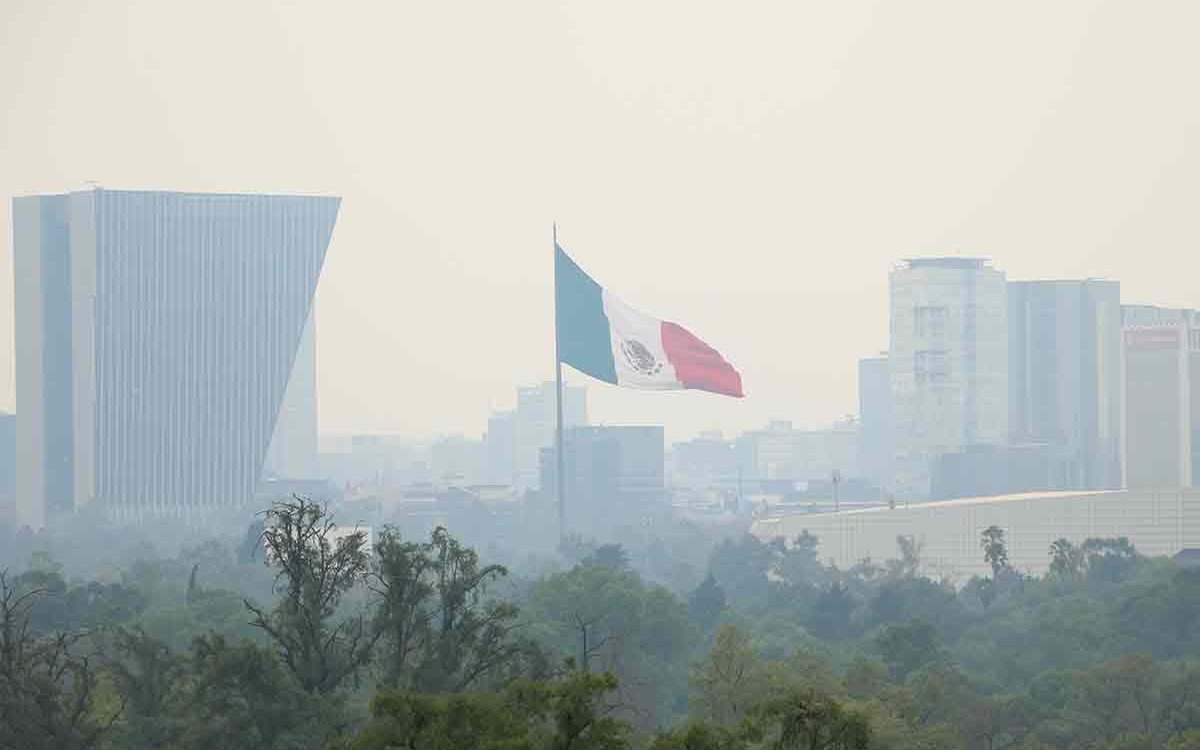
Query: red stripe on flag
column 698, row 365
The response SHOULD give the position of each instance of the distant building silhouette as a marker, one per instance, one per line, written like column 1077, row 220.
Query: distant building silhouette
column 1064, row 358
column 536, row 418
column 156, row 334
column 1161, row 375
column 614, row 476
column 875, row 421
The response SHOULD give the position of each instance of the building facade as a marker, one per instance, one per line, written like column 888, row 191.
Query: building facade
column 875, row 421
column 156, row 334
column 294, row 444
column 536, row 419
column 1161, row 406
column 1157, row 522
column 948, row 363
column 1064, row 375
column 784, row 452
column 614, row 476
column 500, row 449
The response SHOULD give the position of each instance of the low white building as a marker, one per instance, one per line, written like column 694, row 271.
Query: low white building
column 1161, row 522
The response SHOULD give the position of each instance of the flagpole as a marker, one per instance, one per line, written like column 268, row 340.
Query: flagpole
column 559, row 474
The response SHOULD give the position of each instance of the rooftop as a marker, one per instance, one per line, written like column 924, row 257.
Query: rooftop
column 948, row 261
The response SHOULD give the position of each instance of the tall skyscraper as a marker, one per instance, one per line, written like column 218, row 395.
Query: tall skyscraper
column 948, row 363
column 1064, row 374
column 1161, row 408
column 536, row 418
column 294, row 445
column 875, row 420
column 156, row 334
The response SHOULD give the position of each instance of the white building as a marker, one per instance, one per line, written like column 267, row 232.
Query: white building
column 1157, row 522
column 948, row 363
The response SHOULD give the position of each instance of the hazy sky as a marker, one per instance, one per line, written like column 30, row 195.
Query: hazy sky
column 750, row 170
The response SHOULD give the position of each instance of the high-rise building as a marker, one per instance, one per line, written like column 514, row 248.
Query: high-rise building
column 536, row 420
column 948, row 363
column 156, row 334
column 500, row 448
column 614, row 475
column 294, row 445
column 875, row 420
column 1161, row 408
column 1064, row 357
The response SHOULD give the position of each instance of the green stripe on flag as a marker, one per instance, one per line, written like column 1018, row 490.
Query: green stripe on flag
column 583, row 337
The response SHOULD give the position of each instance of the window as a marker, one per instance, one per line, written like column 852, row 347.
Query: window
column 929, row 321
column 931, row 366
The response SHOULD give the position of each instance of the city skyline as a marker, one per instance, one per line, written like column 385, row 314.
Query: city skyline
column 779, row 182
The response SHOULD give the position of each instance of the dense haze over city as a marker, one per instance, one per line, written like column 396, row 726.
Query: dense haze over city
column 576, row 376
column 782, row 155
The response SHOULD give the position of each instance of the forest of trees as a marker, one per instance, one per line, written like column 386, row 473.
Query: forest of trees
column 300, row 634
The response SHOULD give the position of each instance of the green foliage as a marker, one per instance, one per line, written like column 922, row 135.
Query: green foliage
column 438, row 633
column 908, row 646
column 315, row 570
column 995, row 550
column 48, row 685
column 569, row 712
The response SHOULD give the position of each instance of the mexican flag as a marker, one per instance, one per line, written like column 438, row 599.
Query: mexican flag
column 601, row 336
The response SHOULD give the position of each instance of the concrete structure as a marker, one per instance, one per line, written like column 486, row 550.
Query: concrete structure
column 614, row 476
column 155, row 336
column 948, row 363
column 1157, row 522
column 1161, row 379
column 1064, row 379
column 536, row 418
column 875, row 421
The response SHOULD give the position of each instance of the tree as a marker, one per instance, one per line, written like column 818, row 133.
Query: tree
column 699, row 736
column 48, row 691
column 995, row 551
column 807, row 720
column 706, row 603
column 830, row 618
column 611, row 556
column 723, row 684
column 316, row 568
column 569, row 713
column 907, row 647
column 438, row 633
column 1110, row 560
column 909, row 562
column 149, row 679
column 470, row 638
column 242, row 696
column 796, row 563
column 1066, row 560
column 741, row 569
